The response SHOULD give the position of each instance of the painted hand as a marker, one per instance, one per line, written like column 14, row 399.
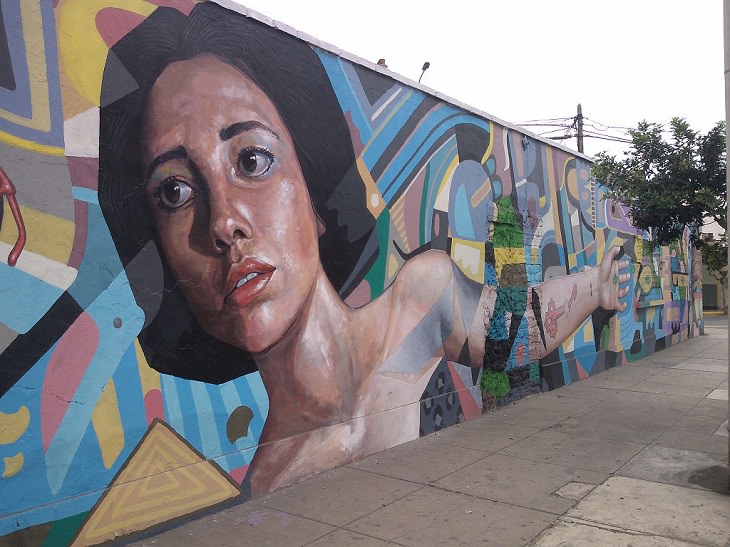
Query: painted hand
column 612, row 278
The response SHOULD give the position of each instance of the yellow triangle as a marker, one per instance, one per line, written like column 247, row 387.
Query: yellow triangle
column 164, row 478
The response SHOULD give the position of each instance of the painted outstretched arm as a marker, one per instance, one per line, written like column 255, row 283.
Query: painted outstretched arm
column 565, row 302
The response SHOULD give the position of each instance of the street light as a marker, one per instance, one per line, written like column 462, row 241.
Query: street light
column 423, row 69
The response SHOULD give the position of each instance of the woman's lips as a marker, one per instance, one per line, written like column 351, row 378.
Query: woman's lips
column 246, row 280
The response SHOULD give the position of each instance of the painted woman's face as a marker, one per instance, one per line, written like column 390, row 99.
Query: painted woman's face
column 232, row 209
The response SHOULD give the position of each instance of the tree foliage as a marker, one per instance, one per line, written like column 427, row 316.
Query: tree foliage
column 669, row 183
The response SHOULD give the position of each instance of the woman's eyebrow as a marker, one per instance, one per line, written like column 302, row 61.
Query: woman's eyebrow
column 176, row 153
column 240, row 127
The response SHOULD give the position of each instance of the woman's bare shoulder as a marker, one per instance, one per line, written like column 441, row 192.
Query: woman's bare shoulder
column 426, row 274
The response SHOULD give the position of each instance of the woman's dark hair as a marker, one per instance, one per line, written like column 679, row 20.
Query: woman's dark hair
column 289, row 71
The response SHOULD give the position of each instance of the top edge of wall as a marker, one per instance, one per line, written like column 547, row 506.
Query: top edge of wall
column 239, row 7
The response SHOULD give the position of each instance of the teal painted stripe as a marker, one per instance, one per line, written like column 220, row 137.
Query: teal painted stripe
column 85, row 194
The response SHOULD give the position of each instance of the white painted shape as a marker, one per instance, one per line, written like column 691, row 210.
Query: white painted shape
column 49, row 271
column 81, row 134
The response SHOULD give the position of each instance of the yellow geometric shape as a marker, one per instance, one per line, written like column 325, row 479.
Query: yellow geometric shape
column 508, row 255
column 646, row 280
column 469, row 256
column 374, row 201
column 107, row 424
column 393, row 266
column 488, row 151
column 13, row 465
column 588, row 332
column 148, row 377
column 31, row 146
column 12, row 426
column 572, row 182
column 164, row 478
column 48, row 235
column 82, row 50
column 481, row 193
column 444, row 191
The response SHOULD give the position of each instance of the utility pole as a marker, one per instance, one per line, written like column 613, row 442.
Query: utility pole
column 579, row 127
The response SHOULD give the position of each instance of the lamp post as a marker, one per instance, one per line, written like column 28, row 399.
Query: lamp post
column 424, row 68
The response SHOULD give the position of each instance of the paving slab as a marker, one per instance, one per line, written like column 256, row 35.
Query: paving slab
column 622, row 377
column 435, row 460
column 709, row 407
column 698, row 423
column 575, row 490
column 565, row 404
column 690, row 378
column 669, row 511
column 485, row 435
column 346, row 537
column 708, row 365
column 517, row 415
column 714, row 352
column 585, row 390
column 660, row 359
column 519, row 482
column 245, row 524
column 693, row 440
column 328, row 497
column 575, row 532
column 592, row 453
column 687, row 468
column 654, row 386
column 629, row 416
column 435, row 517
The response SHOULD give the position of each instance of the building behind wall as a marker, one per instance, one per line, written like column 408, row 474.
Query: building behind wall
column 96, row 442
column 713, row 295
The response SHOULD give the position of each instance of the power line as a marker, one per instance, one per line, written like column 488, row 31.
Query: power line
column 580, row 127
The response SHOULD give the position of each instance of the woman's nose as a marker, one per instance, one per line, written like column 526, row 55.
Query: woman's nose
column 228, row 223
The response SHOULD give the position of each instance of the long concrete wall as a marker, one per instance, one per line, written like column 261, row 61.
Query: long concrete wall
column 232, row 257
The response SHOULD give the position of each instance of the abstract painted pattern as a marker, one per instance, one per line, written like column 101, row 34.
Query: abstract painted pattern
column 85, row 419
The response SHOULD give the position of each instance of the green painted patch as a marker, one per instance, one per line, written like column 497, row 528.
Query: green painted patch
column 63, row 531
column 496, row 383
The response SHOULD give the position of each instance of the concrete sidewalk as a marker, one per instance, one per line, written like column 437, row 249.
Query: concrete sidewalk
column 636, row 455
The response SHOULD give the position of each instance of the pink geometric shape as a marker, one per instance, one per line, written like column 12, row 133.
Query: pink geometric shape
column 84, row 171
column 113, row 24
column 153, row 405
column 183, row 6
column 360, row 296
column 468, row 404
column 66, row 368
column 81, row 218
column 239, row 473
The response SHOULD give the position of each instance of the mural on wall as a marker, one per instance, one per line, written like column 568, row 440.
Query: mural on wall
column 246, row 260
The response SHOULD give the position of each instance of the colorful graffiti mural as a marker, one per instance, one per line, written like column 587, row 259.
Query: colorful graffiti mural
column 235, row 259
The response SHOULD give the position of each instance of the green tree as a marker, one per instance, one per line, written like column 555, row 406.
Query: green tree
column 669, row 183
column 714, row 257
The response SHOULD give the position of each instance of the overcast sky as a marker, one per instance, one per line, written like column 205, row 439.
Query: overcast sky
column 623, row 60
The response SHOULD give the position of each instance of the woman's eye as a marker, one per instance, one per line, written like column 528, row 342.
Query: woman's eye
column 254, row 162
column 173, row 193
